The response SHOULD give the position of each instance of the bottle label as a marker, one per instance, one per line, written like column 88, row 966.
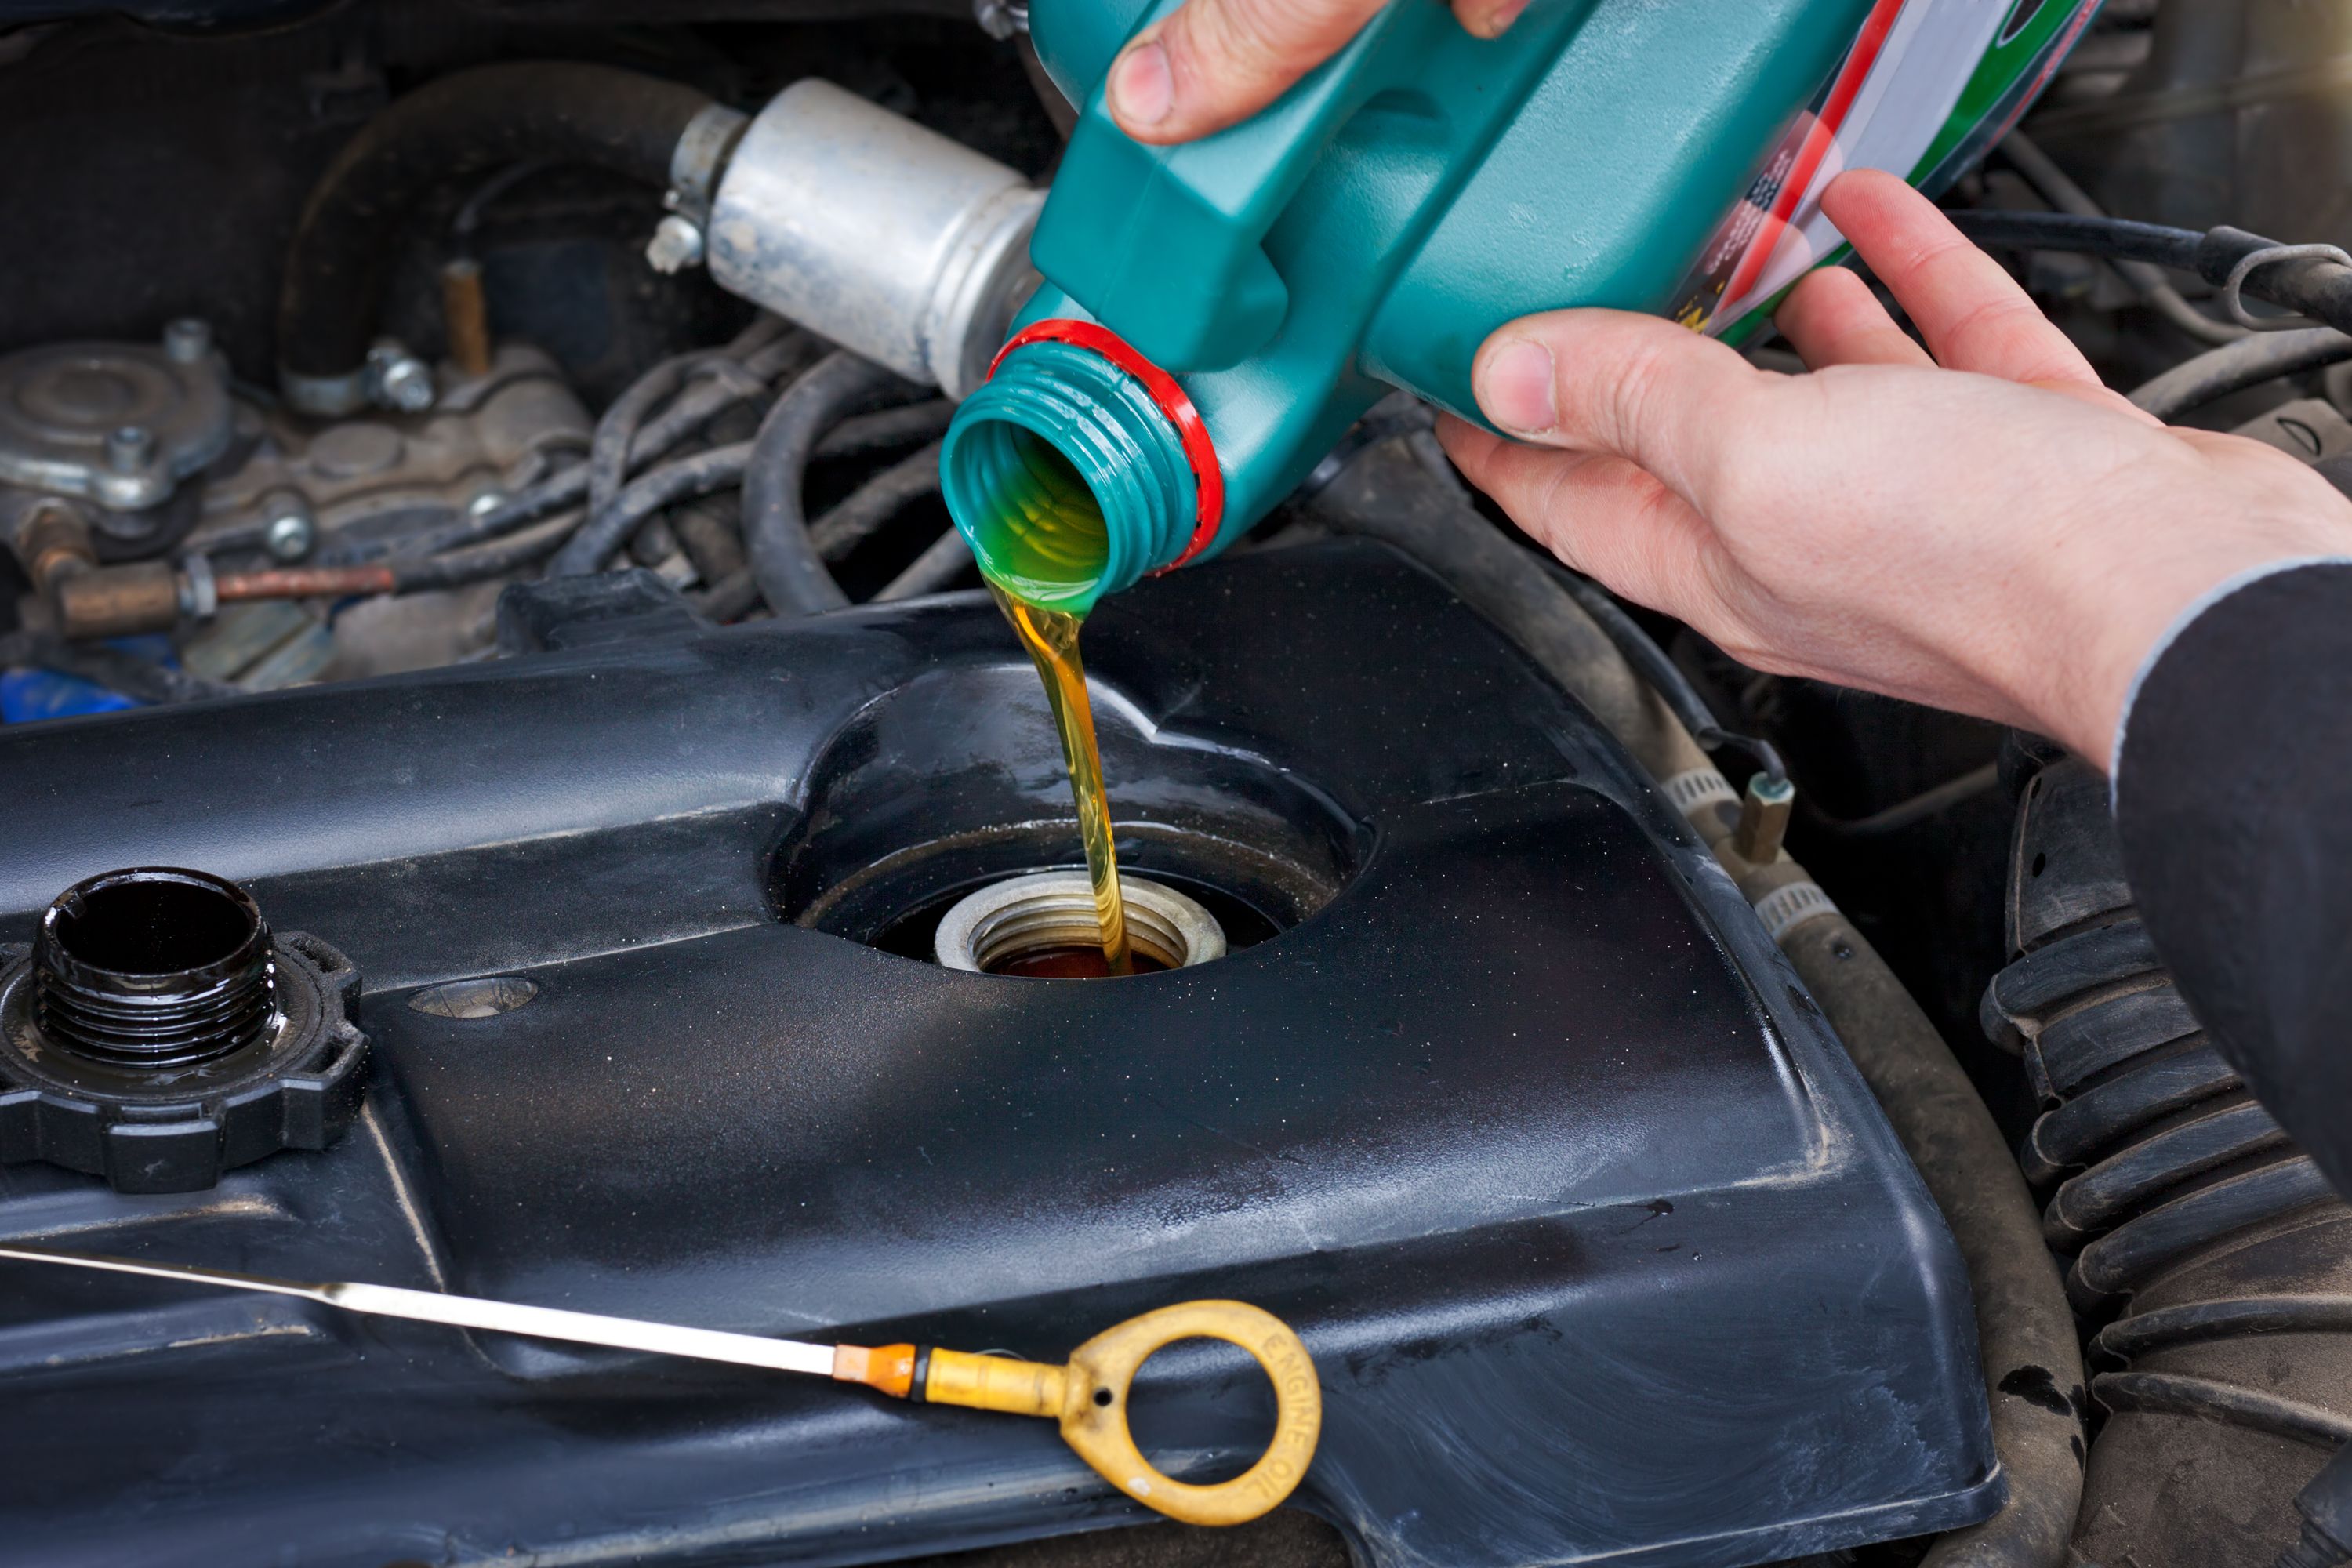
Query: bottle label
column 1925, row 88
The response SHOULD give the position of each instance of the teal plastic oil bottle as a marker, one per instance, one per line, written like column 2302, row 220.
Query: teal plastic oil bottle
column 1216, row 314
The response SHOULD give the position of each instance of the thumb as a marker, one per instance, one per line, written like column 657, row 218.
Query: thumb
column 1637, row 387
column 1216, row 62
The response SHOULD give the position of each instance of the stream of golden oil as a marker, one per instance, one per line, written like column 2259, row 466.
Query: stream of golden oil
column 1051, row 637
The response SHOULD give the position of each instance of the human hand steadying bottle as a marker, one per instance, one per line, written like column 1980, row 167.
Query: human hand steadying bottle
column 1978, row 524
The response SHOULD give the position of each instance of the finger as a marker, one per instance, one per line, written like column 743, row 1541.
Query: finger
column 1487, row 18
column 1215, row 62
column 1640, row 387
column 1972, row 314
column 1833, row 318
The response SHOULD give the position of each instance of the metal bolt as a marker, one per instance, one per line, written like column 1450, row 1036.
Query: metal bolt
column 677, row 245
column 188, row 340
column 129, row 449
column 408, row 385
column 1763, row 819
column 288, row 529
column 399, row 380
column 1001, row 19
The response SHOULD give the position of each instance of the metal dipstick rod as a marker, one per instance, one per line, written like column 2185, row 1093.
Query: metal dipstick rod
column 1087, row 1396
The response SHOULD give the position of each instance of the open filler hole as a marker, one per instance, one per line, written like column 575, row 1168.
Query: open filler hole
column 154, row 922
column 1042, row 926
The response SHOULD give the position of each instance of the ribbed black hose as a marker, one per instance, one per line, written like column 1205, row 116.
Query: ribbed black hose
column 784, row 561
column 457, row 129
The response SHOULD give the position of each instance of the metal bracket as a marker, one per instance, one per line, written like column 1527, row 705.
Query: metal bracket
column 2232, row 286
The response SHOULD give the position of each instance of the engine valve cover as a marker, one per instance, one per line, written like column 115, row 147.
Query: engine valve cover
column 1601, row 1245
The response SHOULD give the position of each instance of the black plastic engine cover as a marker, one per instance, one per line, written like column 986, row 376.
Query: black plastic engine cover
column 1600, row 1244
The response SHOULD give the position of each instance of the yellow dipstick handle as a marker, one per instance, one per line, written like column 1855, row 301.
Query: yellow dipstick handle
column 1089, row 1398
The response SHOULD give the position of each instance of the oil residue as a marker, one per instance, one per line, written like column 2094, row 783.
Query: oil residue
column 1051, row 636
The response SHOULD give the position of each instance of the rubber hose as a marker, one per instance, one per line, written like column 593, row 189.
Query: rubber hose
column 459, row 127
column 2053, row 184
column 2024, row 1324
column 682, row 480
column 863, row 512
column 485, row 561
column 617, row 427
column 2025, row 1330
column 784, row 563
column 2233, row 367
column 2315, row 287
column 613, row 447
column 891, row 427
column 947, row 558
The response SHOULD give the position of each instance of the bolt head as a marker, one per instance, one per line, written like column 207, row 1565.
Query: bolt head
column 129, row 449
column 188, row 340
column 677, row 245
column 288, row 531
column 408, row 384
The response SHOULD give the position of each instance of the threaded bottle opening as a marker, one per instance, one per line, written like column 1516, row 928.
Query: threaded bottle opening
column 154, row 967
column 1066, row 479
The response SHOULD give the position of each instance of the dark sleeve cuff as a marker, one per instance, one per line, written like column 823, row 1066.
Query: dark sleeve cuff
column 2234, row 800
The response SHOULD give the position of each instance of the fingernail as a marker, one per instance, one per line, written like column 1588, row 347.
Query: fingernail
column 1516, row 389
column 1142, row 91
column 1498, row 19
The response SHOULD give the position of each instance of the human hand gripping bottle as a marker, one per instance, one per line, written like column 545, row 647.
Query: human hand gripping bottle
column 1217, row 314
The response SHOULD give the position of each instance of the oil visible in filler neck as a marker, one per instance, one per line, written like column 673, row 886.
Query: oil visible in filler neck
column 1051, row 637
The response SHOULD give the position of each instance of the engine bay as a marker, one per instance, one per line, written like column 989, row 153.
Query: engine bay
column 483, row 652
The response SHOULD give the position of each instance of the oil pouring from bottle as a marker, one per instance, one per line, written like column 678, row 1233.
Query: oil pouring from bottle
column 1076, row 469
column 1051, row 637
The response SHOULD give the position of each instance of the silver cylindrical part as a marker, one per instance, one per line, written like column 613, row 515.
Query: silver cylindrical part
column 872, row 231
column 1051, row 909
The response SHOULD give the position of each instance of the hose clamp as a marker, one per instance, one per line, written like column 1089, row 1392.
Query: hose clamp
column 2233, row 286
column 702, row 150
column 1783, row 910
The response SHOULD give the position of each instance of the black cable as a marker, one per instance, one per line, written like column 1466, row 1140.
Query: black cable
column 784, row 561
column 891, row 427
column 1642, row 652
column 947, row 558
column 2116, row 239
column 692, row 410
column 461, row 568
column 612, row 449
column 617, row 427
column 2315, row 286
column 863, row 512
column 681, row 478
